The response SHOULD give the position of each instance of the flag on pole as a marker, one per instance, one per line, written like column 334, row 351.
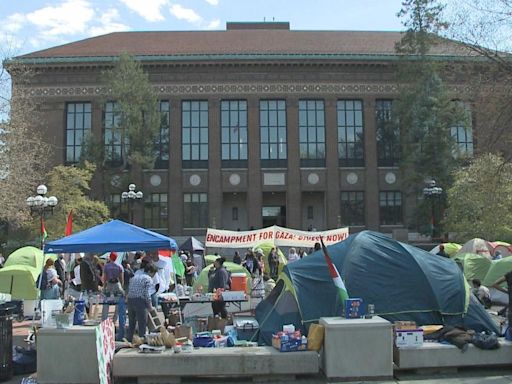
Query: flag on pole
column 336, row 278
column 69, row 224
column 44, row 234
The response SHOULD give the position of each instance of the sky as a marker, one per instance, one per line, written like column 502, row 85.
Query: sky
column 32, row 25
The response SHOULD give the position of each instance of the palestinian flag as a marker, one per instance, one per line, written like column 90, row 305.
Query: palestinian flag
column 336, row 278
column 44, row 234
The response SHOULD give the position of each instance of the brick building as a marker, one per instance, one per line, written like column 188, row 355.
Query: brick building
column 264, row 124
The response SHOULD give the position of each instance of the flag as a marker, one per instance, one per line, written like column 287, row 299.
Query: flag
column 177, row 264
column 69, row 224
column 333, row 271
column 44, row 234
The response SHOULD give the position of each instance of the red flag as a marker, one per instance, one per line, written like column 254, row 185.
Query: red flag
column 69, row 224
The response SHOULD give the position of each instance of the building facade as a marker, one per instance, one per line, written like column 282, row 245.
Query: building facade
column 263, row 125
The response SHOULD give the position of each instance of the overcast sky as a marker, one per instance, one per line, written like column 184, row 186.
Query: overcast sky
column 30, row 25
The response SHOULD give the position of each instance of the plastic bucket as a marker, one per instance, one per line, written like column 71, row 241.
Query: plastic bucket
column 239, row 282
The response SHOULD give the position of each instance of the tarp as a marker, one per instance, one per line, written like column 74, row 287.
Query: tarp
column 202, row 279
column 192, row 245
column 115, row 236
column 402, row 281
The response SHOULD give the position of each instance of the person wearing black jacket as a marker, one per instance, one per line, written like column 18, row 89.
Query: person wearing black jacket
column 218, row 279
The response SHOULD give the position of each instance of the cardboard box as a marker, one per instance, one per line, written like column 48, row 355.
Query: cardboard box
column 233, row 295
column 291, row 345
column 404, row 325
column 354, row 308
column 412, row 338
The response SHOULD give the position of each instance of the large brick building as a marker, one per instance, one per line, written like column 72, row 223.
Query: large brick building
column 265, row 125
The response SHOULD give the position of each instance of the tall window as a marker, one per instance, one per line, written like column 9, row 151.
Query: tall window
column 194, row 121
column 350, row 133
column 273, row 133
column 390, row 208
column 312, row 133
column 162, row 140
column 233, row 120
column 78, row 126
column 352, row 208
column 155, row 211
column 388, row 135
column 195, row 210
column 118, row 209
column 462, row 133
column 113, row 134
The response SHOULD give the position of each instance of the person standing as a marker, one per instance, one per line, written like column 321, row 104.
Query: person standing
column 76, row 282
column 113, row 280
column 127, row 274
column 273, row 263
column 507, row 278
column 236, row 258
column 219, row 280
column 139, row 300
column 293, row 255
column 50, row 290
column 190, row 272
column 60, row 267
column 88, row 275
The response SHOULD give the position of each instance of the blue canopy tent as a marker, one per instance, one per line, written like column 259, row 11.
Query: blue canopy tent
column 115, row 235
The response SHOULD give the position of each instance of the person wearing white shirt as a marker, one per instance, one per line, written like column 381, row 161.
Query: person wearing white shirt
column 293, row 255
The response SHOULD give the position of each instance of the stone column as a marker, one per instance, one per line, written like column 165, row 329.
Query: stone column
column 175, row 191
column 370, row 153
column 293, row 190
column 214, row 165
column 254, row 194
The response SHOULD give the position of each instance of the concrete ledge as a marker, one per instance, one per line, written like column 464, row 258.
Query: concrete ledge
column 236, row 362
column 437, row 355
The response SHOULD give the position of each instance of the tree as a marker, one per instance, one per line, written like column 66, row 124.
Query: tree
column 471, row 212
column 135, row 120
column 24, row 154
column 70, row 185
column 424, row 110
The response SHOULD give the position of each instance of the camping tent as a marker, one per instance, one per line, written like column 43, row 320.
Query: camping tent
column 402, row 281
column 478, row 246
column 20, row 272
column 202, row 279
column 474, row 266
column 196, row 249
column 498, row 268
column 503, row 247
column 450, row 248
column 115, row 235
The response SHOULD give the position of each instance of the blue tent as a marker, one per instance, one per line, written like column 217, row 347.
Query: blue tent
column 115, row 236
column 402, row 281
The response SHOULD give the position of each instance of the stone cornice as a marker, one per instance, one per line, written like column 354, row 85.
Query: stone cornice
column 305, row 88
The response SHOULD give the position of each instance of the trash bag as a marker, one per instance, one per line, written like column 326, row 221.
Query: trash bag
column 483, row 340
column 24, row 360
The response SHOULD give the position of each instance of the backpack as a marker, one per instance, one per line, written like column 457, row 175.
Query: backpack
column 42, row 281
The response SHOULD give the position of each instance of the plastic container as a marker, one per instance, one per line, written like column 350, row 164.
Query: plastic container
column 239, row 282
column 79, row 315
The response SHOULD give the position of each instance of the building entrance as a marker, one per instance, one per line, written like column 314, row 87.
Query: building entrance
column 273, row 215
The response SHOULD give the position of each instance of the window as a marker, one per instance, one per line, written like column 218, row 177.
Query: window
column 310, row 212
column 350, row 133
column 155, row 211
column 311, row 133
column 78, row 126
column 352, row 208
column 234, row 214
column 194, row 121
column 195, row 210
column 390, row 207
column 162, row 140
column 118, row 209
column 462, row 133
column 114, row 136
column 233, row 120
column 388, row 135
column 273, row 133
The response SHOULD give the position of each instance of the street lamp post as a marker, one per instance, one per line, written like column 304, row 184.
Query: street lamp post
column 433, row 193
column 131, row 197
column 40, row 205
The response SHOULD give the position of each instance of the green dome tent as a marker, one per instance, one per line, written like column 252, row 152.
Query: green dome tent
column 474, row 266
column 209, row 259
column 19, row 275
column 497, row 269
column 450, row 248
column 202, row 279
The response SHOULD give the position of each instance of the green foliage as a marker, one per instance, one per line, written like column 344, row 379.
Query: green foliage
column 480, row 200
column 136, row 104
column 71, row 186
column 424, row 111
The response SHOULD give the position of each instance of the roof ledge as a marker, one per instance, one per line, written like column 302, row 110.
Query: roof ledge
column 236, row 25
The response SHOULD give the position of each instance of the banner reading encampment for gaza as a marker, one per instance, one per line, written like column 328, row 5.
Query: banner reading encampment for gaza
column 217, row 238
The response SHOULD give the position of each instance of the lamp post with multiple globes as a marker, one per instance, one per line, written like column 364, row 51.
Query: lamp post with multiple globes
column 131, row 197
column 40, row 205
